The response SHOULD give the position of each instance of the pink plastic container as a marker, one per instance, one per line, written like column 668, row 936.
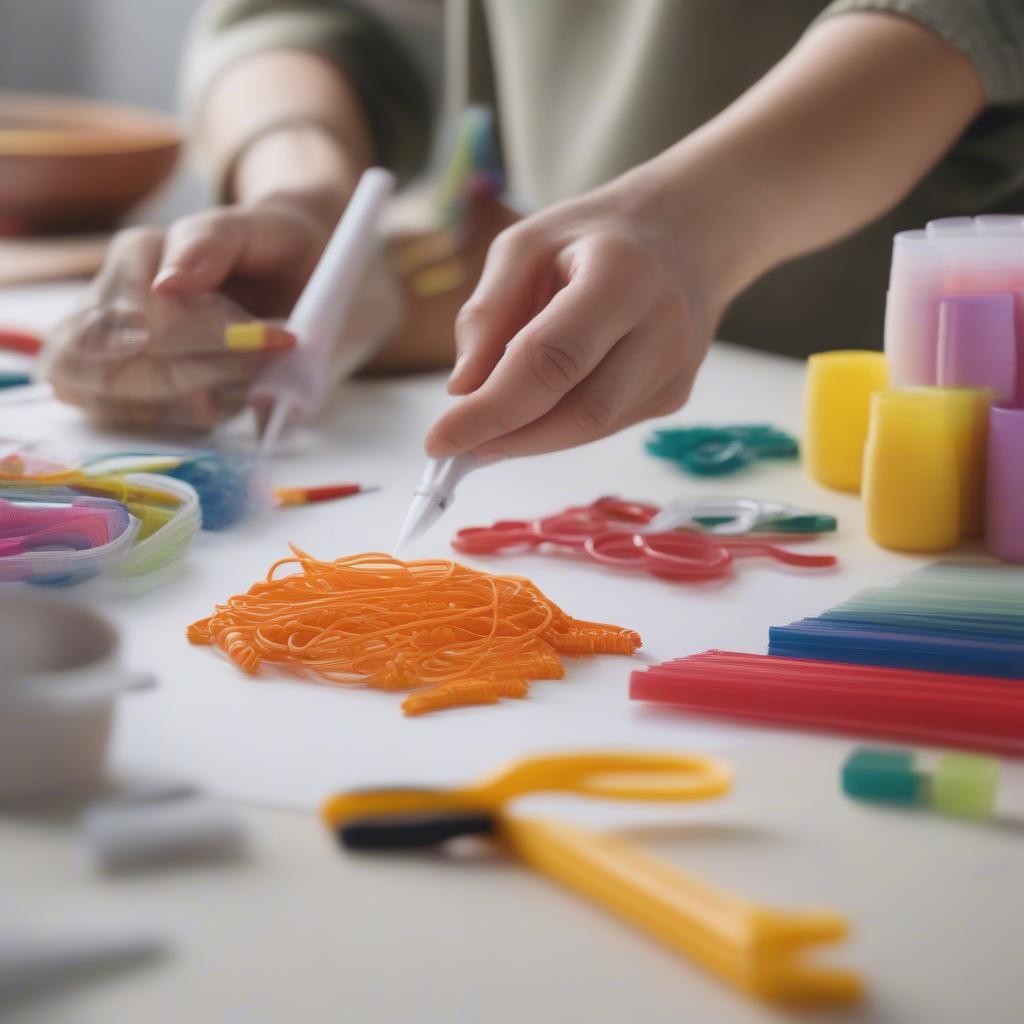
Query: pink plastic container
column 957, row 256
column 978, row 344
column 1004, row 519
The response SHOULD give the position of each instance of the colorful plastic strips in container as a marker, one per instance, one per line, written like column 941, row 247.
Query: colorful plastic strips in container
column 55, row 536
column 135, row 528
column 223, row 481
column 969, row 712
column 951, row 258
column 718, row 451
column 456, row 635
column 948, row 618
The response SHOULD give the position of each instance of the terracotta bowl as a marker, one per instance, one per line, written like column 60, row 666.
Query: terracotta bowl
column 70, row 165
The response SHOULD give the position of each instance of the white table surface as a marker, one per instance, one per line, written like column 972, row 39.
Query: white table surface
column 301, row 933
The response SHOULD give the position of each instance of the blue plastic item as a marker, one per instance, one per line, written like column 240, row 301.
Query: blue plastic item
column 928, row 650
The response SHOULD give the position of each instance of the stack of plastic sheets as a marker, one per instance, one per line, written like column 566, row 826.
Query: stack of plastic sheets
column 950, row 617
column 935, row 658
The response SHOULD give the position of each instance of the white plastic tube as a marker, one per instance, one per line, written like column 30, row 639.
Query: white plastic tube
column 295, row 384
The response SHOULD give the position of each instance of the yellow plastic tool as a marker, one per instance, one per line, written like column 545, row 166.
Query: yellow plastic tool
column 755, row 949
column 836, row 407
column 912, row 471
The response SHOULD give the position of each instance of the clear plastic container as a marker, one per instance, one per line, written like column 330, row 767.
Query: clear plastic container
column 952, row 256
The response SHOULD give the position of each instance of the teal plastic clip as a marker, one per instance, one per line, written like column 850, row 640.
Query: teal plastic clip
column 718, row 451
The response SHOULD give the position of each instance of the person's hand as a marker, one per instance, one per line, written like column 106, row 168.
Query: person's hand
column 588, row 317
column 261, row 255
column 146, row 347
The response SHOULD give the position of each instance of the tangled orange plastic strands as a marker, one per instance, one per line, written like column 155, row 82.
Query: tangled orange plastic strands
column 456, row 635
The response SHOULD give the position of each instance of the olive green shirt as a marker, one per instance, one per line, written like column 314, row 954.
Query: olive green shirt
column 585, row 89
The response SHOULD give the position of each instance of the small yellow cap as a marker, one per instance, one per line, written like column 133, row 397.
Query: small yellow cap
column 249, row 337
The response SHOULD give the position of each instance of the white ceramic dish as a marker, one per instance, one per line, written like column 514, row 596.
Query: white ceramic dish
column 60, row 676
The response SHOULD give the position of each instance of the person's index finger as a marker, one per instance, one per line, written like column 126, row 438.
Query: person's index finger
column 132, row 261
column 553, row 353
column 199, row 253
column 500, row 306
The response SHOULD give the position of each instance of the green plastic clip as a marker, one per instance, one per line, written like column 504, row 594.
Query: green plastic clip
column 876, row 773
column 965, row 785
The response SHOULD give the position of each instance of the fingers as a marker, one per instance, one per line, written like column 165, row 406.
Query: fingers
column 131, row 263
column 189, row 392
column 196, row 413
column 132, row 355
column 617, row 394
column 505, row 299
column 200, row 252
column 608, row 294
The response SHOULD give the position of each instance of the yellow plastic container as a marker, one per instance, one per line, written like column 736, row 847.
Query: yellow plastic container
column 912, row 470
column 836, row 409
column 968, row 409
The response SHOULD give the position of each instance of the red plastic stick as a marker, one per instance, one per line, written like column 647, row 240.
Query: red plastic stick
column 977, row 712
column 27, row 344
column 309, row 495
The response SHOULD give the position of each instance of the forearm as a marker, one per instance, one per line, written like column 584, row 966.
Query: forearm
column 285, row 121
column 835, row 135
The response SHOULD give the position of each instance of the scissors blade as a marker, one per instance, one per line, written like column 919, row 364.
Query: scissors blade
column 741, row 515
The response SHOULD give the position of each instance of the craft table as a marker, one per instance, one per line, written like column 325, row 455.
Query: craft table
column 299, row 932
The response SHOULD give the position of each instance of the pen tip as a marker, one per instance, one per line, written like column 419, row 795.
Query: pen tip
column 261, row 410
column 403, row 541
column 276, row 418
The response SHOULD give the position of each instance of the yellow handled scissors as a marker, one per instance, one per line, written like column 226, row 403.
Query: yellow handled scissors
column 607, row 775
column 753, row 948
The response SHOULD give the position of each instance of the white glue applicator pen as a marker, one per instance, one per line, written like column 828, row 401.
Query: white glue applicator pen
column 293, row 385
column 435, row 492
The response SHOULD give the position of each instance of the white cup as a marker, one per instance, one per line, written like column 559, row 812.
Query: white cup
column 60, row 675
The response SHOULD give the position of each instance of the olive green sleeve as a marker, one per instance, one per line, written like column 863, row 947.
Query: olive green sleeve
column 990, row 33
column 393, row 91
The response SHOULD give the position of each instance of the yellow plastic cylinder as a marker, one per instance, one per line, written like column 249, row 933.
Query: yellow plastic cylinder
column 911, row 471
column 967, row 409
column 836, row 408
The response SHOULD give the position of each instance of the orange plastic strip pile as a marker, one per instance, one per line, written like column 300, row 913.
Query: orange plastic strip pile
column 456, row 635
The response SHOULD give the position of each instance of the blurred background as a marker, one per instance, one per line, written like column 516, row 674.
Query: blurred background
column 109, row 49
column 120, row 50
column 128, row 51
